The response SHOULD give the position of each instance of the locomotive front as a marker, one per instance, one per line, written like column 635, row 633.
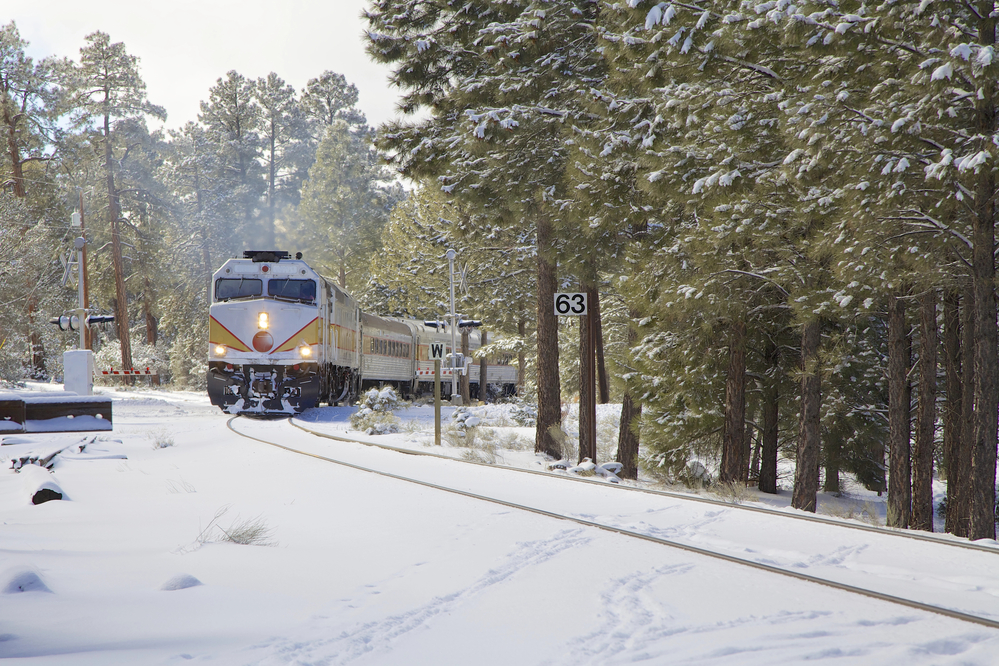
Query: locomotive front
column 266, row 335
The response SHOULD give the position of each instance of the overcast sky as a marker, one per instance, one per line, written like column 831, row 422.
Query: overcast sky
column 185, row 46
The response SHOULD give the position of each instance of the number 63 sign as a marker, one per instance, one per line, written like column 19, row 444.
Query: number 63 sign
column 570, row 304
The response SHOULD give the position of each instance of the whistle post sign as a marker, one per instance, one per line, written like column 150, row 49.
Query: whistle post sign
column 570, row 304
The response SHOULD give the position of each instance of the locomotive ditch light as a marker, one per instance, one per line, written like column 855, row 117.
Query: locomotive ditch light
column 220, row 350
column 263, row 321
column 305, row 351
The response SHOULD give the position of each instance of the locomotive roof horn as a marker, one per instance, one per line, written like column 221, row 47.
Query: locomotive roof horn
column 261, row 256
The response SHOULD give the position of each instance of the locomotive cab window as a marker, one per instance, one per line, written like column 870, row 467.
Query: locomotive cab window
column 303, row 291
column 226, row 288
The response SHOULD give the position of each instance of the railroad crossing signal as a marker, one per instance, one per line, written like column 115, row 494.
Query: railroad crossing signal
column 72, row 322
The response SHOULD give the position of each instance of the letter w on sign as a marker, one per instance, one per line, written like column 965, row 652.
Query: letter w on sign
column 436, row 351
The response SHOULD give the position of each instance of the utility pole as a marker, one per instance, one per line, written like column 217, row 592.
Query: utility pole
column 85, row 304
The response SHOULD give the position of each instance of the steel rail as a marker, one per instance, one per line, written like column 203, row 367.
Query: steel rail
column 906, row 534
column 901, row 601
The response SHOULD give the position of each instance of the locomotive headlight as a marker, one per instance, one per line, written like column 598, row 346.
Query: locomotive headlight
column 305, row 351
column 220, row 350
column 263, row 321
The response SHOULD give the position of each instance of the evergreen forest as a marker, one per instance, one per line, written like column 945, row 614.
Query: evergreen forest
column 782, row 214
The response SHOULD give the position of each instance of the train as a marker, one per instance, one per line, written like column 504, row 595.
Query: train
column 282, row 339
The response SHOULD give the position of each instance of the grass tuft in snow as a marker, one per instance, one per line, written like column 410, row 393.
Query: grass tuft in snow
column 161, row 439
column 735, row 493
column 482, row 444
column 608, row 429
column 178, row 487
column 248, row 532
column 867, row 513
column 568, row 445
column 414, row 427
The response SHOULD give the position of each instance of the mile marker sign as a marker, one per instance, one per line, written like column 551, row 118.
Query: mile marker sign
column 569, row 304
column 436, row 351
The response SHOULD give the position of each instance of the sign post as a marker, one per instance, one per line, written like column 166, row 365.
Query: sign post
column 576, row 305
column 436, row 354
column 455, row 396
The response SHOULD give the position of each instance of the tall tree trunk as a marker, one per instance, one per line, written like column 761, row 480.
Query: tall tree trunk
column 631, row 411
column 754, row 461
column 587, row 388
column 806, row 472
column 152, row 333
column 88, row 335
column 38, row 370
column 983, row 454
column 899, row 424
column 926, row 414
column 269, row 233
column 593, row 297
column 771, row 412
column 342, row 255
column 464, row 383
column 114, row 213
column 483, row 369
column 734, row 464
column 833, row 455
column 521, row 358
column 963, row 525
column 952, row 406
column 11, row 118
column 206, row 257
column 549, row 384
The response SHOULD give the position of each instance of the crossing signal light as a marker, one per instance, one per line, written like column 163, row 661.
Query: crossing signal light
column 72, row 322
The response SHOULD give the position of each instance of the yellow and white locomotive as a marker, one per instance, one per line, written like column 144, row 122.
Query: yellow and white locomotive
column 283, row 339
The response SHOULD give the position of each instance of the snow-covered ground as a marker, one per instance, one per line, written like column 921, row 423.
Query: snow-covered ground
column 136, row 565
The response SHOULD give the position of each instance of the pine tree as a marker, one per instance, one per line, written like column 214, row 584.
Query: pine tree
column 921, row 96
column 502, row 82
column 231, row 118
column 29, row 95
column 345, row 204
column 107, row 90
column 329, row 98
column 283, row 131
column 27, row 248
column 29, row 111
column 704, row 103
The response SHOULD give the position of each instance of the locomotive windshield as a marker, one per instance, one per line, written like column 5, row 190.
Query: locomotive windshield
column 226, row 288
column 296, row 290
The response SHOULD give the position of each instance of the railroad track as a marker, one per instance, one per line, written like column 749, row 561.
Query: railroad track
column 672, row 543
column 903, row 534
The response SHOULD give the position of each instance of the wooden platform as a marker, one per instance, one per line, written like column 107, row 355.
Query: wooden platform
column 58, row 411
